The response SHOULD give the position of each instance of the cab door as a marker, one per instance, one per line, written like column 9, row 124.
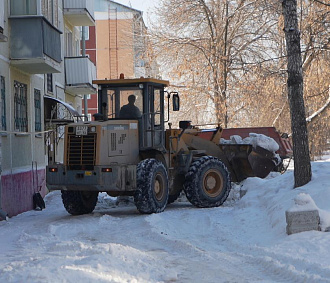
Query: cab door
column 153, row 119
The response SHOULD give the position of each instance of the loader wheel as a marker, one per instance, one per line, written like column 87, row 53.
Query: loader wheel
column 152, row 186
column 79, row 202
column 207, row 182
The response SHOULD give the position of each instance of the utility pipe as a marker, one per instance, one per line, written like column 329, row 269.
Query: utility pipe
column 83, row 43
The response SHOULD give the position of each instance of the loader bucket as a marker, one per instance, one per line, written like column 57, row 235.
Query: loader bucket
column 242, row 160
column 261, row 162
column 245, row 161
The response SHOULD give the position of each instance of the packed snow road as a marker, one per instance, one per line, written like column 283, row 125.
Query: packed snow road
column 242, row 241
column 182, row 244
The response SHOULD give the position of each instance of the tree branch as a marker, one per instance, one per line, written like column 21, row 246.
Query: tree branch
column 318, row 1
column 318, row 112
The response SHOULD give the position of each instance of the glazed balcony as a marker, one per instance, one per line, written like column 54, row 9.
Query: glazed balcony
column 79, row 74
column 79, row 12
column 35, row 45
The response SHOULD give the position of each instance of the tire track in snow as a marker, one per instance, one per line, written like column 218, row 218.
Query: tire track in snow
column 255, row 260
column 183, row 244
column 220, row 266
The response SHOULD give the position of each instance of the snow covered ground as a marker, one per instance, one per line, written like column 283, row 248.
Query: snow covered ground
column 243, row 241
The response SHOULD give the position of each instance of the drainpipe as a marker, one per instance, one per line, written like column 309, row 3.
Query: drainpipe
column 83, row 47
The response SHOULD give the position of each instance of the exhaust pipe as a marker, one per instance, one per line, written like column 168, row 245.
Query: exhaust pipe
column 3, row 215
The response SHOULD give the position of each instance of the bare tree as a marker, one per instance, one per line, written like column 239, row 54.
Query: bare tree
column 315, row 26
column 302, row 165
column 205, row 44
column 228, row 59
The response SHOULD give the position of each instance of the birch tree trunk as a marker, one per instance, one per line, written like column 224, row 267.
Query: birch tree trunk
column 302, row 165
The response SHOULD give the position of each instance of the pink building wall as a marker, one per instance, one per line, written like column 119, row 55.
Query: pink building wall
column 17, row 190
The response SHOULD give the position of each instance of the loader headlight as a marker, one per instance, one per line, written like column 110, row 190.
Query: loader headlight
column 107, row 170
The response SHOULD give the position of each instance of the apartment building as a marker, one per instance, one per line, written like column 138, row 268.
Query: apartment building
column 42, row 80
column 118, row 44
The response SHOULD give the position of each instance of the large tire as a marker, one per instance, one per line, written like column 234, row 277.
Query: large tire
column 79, row 202
column 152, row 191
column 207, row 182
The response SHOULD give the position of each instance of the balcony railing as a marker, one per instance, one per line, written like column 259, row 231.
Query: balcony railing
column 79, row 12
column 79, row 74
column 35, row 45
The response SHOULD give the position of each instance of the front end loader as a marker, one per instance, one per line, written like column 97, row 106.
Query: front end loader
column 139, row 157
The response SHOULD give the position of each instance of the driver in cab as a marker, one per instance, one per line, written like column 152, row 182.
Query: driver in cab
column 130, row 111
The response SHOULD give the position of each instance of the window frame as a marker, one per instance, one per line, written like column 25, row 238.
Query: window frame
column 37, row 109
column 50, row 87
column 2, row 14
column 20, row 107
column 25, row 5
column 3, row 103
column 68, row 43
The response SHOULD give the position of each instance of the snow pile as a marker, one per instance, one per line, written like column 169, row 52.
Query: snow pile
column 255, row 140
column 263, row 141
column 303, row 202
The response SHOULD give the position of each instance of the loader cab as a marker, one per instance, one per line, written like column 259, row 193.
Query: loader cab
column 116, row 95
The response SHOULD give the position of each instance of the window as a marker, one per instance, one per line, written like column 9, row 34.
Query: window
column 20, row 107
column 23, row 7
column 50, row 11
column 37, row 109
column 2, row 15
column 50, row 82
column 77, row 47
column 48, row 8
column 68, row 43
column 130, row 108
column 86, row 29
column 157, row 106
column 3, row 103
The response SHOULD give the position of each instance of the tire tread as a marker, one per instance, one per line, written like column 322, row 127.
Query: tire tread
column 193, row 188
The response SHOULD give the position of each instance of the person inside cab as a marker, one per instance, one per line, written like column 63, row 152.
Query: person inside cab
column 130, row 111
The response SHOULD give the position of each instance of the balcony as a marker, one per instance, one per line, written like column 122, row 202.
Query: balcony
column 79, row 74
column 79, row 12
column 35, row 45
